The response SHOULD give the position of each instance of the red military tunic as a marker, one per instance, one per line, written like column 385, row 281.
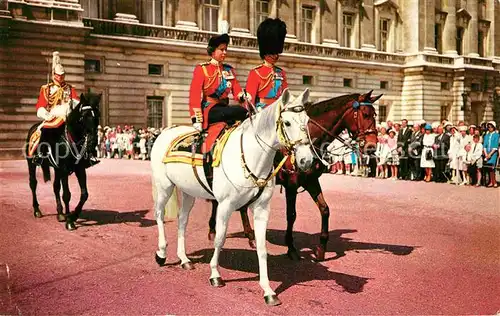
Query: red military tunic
column 52, row 95
column 266, row 84
column 212, row 82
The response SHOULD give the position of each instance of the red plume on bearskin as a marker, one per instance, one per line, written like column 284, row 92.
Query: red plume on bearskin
column 271, row 36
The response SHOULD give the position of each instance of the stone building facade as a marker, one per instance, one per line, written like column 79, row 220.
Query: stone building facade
column 432, row 59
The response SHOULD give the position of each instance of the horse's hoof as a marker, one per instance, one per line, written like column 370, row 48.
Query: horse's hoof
column 217, row 282
column 211, row 236
column 37, row 214
column 319, row 252
column 70, row 226
column 272, row 300
column 293, row 255
column 187, row 266
column 161, row 261
column 61, row 218
column 252, row 243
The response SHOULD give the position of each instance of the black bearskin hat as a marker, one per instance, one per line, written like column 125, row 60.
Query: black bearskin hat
column 271, row 36
column 216, row 40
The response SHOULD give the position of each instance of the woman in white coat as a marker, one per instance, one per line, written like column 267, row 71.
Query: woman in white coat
column 473, row 158
column 382, row 153
column 427, row 158
column 465, row 143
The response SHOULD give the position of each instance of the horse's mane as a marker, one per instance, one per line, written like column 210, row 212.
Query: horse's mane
column 319, row 108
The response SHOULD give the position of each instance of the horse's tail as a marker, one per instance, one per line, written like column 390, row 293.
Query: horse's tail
column 46, row 171
column 172, row 206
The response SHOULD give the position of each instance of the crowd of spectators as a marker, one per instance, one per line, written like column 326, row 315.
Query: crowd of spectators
column 421, row 151
column 126, row 143
column 416, row 151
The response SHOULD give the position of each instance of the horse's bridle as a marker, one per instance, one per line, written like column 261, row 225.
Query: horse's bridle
column 84, row 140
column 355, row 108
column 284, row 141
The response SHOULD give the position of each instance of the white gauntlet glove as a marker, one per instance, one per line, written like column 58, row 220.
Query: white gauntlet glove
column 43, row 114
column 198, row 126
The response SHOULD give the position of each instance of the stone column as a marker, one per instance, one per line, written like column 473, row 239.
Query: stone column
column 287, row 14
column 239, row 17
column 490, row 15
column 428, row 27
column 472, row 29
column 368, row 27
column 186, row 14
column 329, row 22
column 411, row 26
column 450, row 28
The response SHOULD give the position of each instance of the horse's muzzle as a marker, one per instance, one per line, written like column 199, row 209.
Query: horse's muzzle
column 304, row 157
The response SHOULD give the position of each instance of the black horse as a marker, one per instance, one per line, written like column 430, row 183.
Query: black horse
column 67, row 149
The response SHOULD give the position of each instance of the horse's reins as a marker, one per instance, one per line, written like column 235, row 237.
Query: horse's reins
column 342, row 140
column 284, row 141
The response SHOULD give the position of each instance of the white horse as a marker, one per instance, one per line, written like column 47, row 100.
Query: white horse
column 246, row 163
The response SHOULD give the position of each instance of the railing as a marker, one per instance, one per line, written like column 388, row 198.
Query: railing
column 109, row 27
column 478, row 62
column 118, row 28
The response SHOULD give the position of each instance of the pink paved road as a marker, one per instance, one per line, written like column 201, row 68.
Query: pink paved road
column 408, row 248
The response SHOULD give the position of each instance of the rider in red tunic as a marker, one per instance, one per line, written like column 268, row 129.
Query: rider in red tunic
column 53, row 102
column 212, row 83
column 266, row 82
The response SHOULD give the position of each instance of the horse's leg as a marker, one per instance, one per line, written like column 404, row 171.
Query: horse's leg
column 211, row 222
column 247, row 228
column 56, row 186
column 314, row 189
column 224, row 211
column 261, row 217
column 291, row 215
column 33, row 183
column 162, row 190
column 70, row 225
column 187, row 205
column 81, row 175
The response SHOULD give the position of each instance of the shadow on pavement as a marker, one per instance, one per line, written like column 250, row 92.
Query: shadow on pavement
column 281, row 269
column 105, row 217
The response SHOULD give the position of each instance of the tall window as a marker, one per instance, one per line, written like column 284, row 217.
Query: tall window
column 444, row 113
column 261, row 11
column 155, row 112
column 382, row 113
column 211, row 15
column 91, row 8
column 437, row 37
column 307, row 24
column 460, row 40
column 153, row 11
column 347, row 29
column 480, row 44
column 384, row 34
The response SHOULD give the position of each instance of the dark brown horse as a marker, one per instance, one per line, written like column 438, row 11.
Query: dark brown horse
column 328, row 118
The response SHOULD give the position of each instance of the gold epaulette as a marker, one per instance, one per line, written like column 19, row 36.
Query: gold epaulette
column 204, row 63
column 257, row 67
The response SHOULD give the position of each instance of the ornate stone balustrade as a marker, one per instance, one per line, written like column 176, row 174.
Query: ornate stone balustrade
column 107, row 27
column 119, row 28
column 478, row 61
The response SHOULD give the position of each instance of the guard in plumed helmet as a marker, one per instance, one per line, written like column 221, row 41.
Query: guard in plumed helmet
column 53, row 102
column 211, row 85
column 266, row 82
